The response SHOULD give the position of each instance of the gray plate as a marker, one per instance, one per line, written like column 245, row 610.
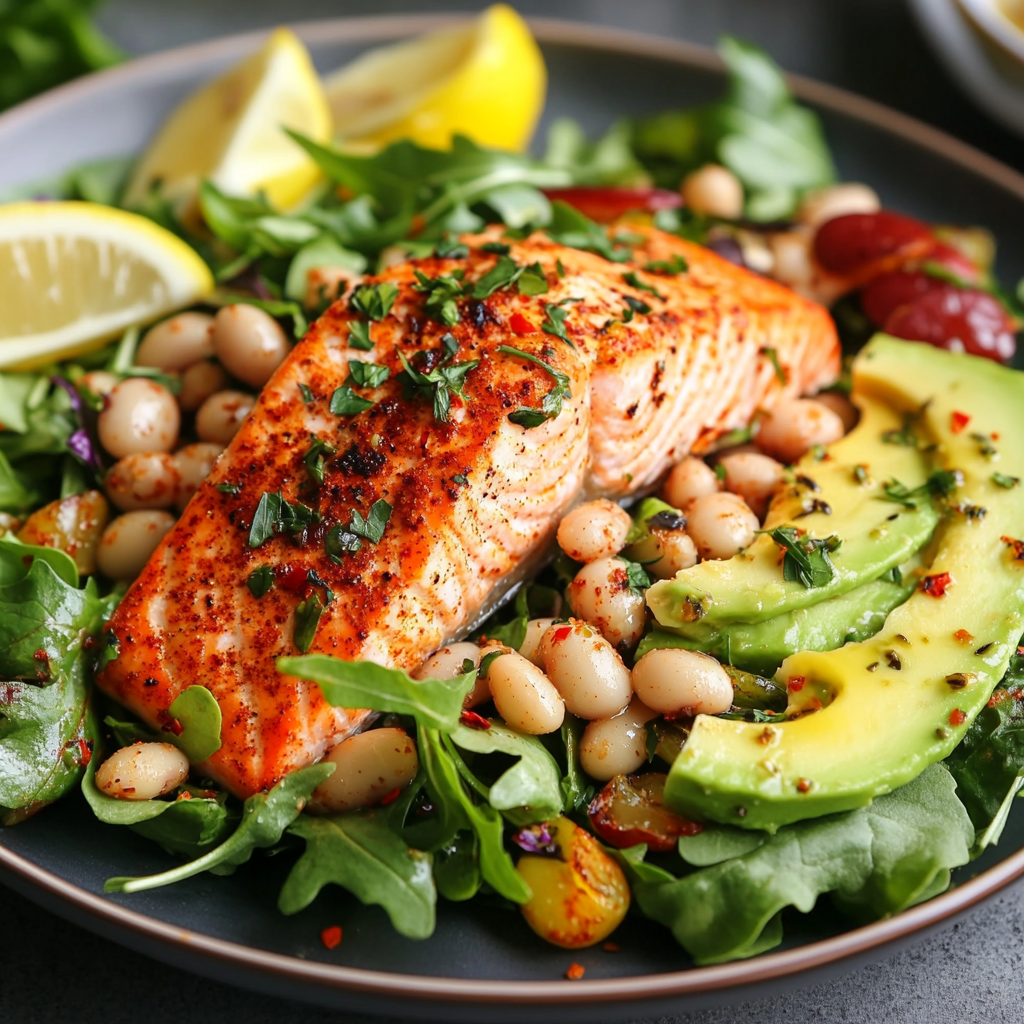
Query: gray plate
column 482, row 961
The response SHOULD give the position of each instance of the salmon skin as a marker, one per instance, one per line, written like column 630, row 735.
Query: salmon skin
column 636, row 368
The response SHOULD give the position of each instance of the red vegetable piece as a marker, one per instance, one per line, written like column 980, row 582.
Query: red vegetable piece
column 520, row 325
column 631, row 810
column 956, row 262
column 864, row 245
column 958, row 319
column 886, row 293
column 607, row 204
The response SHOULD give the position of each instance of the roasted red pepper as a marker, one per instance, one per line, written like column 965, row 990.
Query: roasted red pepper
column 605, row 204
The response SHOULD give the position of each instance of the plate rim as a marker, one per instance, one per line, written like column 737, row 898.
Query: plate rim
column 639, row 988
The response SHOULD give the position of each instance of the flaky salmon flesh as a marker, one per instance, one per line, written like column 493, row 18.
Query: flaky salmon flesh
column 633, row 369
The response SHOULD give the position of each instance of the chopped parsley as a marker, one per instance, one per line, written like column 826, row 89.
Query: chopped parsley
column 440, row 383
column 226, row 488
column 634, row 305
column 555, row 322
column 551, row 404
column 498, row 248
column 372, row 527
column 367, row 375
column 675, row 265
column 260, row 580
column 450, row 248
column 307, row 618
column 345, row 402
column 806, row 560
column 276, row 515
column 942, row 483
column 340, row 539
column 631, row 278
column 375, row 300
column 636, row 576
column 359, row 335
column 1002, row 480
column 443, row 293
column 904, row 436
column 773, row 358
column 720, row 471
column 319, row 451
column 532, row 281
column 501, row 275
column 307, row 394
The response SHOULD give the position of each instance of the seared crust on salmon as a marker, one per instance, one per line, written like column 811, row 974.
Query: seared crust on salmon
column 651, row 367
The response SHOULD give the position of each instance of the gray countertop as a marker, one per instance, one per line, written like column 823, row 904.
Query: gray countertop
column 972, row 971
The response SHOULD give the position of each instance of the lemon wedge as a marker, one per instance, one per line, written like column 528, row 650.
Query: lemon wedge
column 231, row 131
column 73, row 275
column 485, row 80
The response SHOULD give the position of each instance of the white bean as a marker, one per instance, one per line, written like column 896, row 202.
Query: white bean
column 220, row 416
column 841, row 406
column 143, row 480
column 198, row 382
column 368, row 766
column 535, row 630
column 833, row 201
column 249, row 343
column 597, row 529
column 194, row 463
column 720, row 524
column 755, row 478
column 600, row 594
column 674, row 681
column 99, row 382
column 617, row 745
column 178, row 342
column 585, row 669
column 792, row 252
column 795, row 426
column 672, row 550
column 524, row 696
column 128, row 542
column 142, row 771
column 449, row 662
column 713, row 190
column 689, row 479
column 140, row 416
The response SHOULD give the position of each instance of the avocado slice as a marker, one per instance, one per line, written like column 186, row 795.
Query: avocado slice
column 762, row 646
column 841, row 495
column 871, row 716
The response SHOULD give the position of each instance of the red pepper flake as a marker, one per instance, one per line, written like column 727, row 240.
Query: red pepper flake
column 961, row 636
column 7, row 694
column 935, row 586
column 293, row 579
column 575, row 972
column 390, row 798
column 173, row 726
column 611, row 947
column 331, row 937
column 520, row 325
column 184, row 795
column 957, row 717
column 1016, row 545
column 998, row 697
column 561, row 634
column 957, row 421
column 473, row 720
column 804, row 785
column 85, row 752
column 995, row 435
column 796, row 683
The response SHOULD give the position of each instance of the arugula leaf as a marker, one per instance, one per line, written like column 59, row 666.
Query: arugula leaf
column 363, row 854
column 577, row 231
column 551, row 404
column 577, row 792
column 436, row 703
column 876, row 860
column 608, row 160
column 265, row 817
column 375, row 300
column 457, row 868
column 198, row 712
column 806, row 559
column 367, row 375
column 345, row 402
column 513, row 633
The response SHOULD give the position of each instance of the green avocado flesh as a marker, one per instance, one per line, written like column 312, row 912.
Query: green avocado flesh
column 827, row 497
column 870, row 716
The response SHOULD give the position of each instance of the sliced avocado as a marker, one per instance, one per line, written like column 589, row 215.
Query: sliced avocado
column 871, row 716
column 763, row 646
column 842, row 495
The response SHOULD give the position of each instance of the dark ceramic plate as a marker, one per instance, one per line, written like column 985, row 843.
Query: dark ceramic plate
column 482, row 961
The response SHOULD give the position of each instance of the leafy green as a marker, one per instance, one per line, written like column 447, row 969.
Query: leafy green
column 323, row 251
column 198, row 713
column 307, row 617
column 457, row 868
column 373, row 526
column 806, row 559
column 367, row 375
column 439, row 384
column 513, row 633
column 608, row 160
column 274, row 514
column 435, row 703
column 265, row 817
column 362, row 853
column 876, row 861
column 345, row 402
column 551, row 403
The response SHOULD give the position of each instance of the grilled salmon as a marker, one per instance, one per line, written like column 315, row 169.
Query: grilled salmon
column 466, row 419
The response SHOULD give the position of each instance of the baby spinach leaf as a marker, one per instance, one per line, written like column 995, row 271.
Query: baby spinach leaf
column 435, row 703
column 513, row 633
column 265, row 817
column 717, row 843
column 363, row 854
column 198, row 712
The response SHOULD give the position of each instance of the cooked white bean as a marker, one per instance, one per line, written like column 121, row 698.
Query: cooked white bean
column 720, row 524
column 449, row 662
column 757, row 254
column 689, row 479
column 140, row 416
column 143, row 480
column 523, row 695
column 833, row 201
column 194, row 463
column 597, row 529
column 755, row 478
column 795, row 426
column 535, row 630
column 198, row 382
column 600, row 594
column 220, row 416
column 249, row 343
column 142, row 771
column 673, row 681
column 841, row 406
column 99, row 382
column 713, row 190
column 128, row 542
column 671, row 550
column 792, row 252
column 368, row 766
column 585, row 669
column 178, row 342
column 617, row 745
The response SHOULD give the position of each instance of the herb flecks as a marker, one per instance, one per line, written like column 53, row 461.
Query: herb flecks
column 367, row 375
column 442, row 295
column 315, row 458
column 440, row 383
column 345, row 402
column 806, row 559
column 631, row 278
column 669, row 267
column 551, row 404
column 375, row 300
column 556, row 313
column 274, row 514
column 772, row 356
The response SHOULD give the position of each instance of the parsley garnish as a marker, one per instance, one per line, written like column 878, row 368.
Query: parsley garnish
column 501, row 275
column 551, row 404
column 559, row 269
column 942, row 483
column 442, row 382
column 307, row 394
column 307, row 618
column 806, row 559
column 555, row 322
column 773, row 358
column 450, row 248
column 634, row 305
column 676, row 265
column 229, row 488
column 720, row 472
column 460, row 479
column 340, row 539
column 631, row 279
column 532, row 280
column 314, row 458
column 442, row 294
column 906, row 435
column 375, row 300
column 359, row 335
column 636, row 577
column 275, row 515
column 1002, row 480
column 368, row 375
column 372, row 527
column 260, row 580
column 498, row 248
column 345, row 402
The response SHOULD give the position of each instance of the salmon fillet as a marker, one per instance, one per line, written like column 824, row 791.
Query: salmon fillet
column 474, row 501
